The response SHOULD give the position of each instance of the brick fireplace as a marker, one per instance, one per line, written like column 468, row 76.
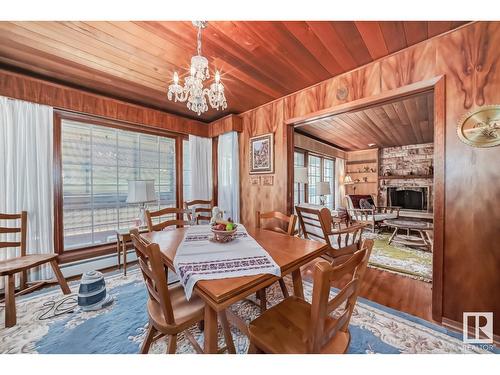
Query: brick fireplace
column 406, row 177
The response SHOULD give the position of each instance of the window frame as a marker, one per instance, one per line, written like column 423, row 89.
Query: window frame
column 86, row 252
column 307, row 154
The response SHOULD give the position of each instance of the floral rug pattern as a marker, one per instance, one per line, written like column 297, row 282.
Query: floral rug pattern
column 120, row 327
column 400, row 259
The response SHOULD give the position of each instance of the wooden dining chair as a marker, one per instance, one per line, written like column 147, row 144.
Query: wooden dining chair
column 168, row 310
column 295, row 326
column 276, row 222
column 178, row 221
column 21, row 264
column 316, row 224
column 202, row 209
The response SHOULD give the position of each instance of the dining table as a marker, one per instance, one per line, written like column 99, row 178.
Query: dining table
column 289, row 252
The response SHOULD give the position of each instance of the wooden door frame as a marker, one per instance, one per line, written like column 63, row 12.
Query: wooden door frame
column 437, row 85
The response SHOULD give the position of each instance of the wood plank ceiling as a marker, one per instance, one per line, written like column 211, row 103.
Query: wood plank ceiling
column 260, row 61
column 404, row 121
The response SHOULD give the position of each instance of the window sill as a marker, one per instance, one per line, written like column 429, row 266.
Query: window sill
column 87, row 253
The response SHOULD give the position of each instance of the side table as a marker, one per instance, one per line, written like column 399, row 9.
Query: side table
column 122, row 238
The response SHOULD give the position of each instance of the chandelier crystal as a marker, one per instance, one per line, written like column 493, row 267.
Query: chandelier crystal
column 193, row 91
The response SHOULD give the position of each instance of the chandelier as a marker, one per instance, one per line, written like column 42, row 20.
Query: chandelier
column 193, row 91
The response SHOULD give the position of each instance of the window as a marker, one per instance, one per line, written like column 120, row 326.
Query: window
column 97, row 163
column 186, row 170
column 314, row 171
column 328, row 176
column 319, row 168
column 298, row 161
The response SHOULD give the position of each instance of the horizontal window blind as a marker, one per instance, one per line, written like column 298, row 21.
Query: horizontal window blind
column 97, row 163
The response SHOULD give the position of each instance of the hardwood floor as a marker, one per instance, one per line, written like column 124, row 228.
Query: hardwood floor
column 398, row 292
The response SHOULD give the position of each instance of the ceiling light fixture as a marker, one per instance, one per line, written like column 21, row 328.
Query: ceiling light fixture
column 193, row 91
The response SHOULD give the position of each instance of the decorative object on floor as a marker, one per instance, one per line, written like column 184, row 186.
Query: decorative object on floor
column 141, row 192
column 92, row 292
column 21, row 264
column 481, row 127
column 399, row 259
column 193, row 90
column 262, row 154
column 323, row 189
column 121, row 327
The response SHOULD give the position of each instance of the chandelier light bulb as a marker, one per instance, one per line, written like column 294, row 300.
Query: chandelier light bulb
column 176, row 78
column 217, row 76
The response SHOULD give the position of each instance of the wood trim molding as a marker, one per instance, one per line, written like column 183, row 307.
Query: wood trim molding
column 367, row 102
column 23, row 87
column 439, row 198
column 226, row 124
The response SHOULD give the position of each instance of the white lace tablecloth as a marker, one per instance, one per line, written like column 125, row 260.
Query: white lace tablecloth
column 199, row 258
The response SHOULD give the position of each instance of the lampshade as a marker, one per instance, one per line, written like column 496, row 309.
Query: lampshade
column 300, row 175
column 347, row 179
column 323, row 188
column 141, row 191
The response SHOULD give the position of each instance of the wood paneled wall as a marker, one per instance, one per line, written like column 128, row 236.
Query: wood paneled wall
column 468, row 58
column 34, row 90
column 310, row 144
column 226, row 124
column 265, row 119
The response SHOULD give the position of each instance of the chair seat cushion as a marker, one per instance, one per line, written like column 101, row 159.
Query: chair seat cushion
column 186, row 313
column 285, row 329
column 18, row 264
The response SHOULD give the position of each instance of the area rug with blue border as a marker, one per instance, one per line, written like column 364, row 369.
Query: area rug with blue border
column 121, row 326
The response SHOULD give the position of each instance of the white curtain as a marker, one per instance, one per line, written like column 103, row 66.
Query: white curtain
column 26, row 175
column 339, row 183
column 229, row 175
column 200, row 150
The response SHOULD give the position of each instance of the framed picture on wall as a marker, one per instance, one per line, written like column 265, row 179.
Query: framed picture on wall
column 262, row 154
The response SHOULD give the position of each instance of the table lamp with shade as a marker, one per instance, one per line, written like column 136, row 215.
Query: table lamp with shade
column 348, row 181
column 141, row 192
column 300, row 176
column 323, row 189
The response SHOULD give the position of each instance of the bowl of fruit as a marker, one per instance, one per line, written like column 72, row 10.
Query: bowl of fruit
column 224, row 230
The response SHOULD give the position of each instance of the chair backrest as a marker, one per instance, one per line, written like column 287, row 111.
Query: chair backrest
column 21, row 243
column 316, row 223
column 354, row 199
column 202, row 209
column 342, row 305
column 177, row 221
column 276, row 216
column 154, row 273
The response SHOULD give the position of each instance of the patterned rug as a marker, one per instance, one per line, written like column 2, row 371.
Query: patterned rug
column 400, row 259
column 120, row 328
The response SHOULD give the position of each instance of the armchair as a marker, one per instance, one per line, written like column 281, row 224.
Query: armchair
column 364, row 214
